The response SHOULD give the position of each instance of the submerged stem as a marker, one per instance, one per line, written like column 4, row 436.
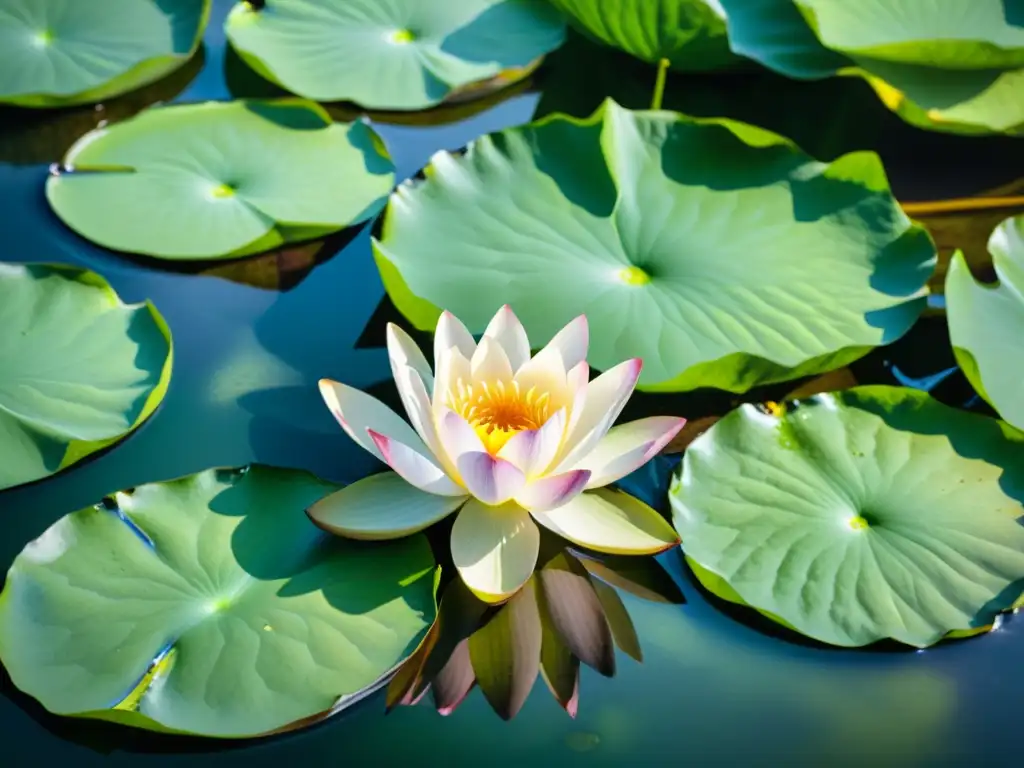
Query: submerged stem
column 961, row 205
column 659, row 85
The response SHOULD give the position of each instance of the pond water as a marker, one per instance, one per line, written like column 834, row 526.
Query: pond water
column 251, row 340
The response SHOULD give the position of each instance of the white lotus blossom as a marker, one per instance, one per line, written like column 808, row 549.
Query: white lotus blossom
column 506, row 440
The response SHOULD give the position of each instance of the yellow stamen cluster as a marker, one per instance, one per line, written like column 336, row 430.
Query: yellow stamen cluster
column 497, row 411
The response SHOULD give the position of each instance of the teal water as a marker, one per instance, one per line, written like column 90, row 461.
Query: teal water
column 712, row 690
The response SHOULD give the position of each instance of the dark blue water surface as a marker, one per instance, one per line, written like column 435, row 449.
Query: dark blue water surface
column 712, row 690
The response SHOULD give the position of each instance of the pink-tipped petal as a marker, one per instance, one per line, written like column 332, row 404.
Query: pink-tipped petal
column 605, row 397
column 403, row 352
column 451, row 334
column 490, row 363
column 508, row 332
column 379, row 507
column 552, row 491
column 628, row 447
column 415, row 468
column 489, row 479
column 534, row 450
column 457, row 436
column 357, row 411
column 494, row 549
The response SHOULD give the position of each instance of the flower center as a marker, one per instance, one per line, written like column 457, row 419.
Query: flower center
column 497, row 411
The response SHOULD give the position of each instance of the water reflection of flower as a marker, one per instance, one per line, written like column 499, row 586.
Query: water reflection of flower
column 505, row 439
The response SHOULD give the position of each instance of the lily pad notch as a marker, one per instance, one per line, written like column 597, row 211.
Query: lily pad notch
column 55, row 53
column 717, row 252
column 81, row 370
column 221, row 180
column 211, row 606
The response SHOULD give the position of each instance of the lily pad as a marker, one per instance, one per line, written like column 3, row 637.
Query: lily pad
column 80, row 369
column 956, row 68
column 402, row 54
column 55, row 53
column 986, row 323
column 691, row 34
column 718, row 252
column 858, row 516
column 220, row 180
column 210, row 605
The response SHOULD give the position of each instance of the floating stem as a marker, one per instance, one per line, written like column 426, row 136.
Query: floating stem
column 659, row 85
column 961, row 205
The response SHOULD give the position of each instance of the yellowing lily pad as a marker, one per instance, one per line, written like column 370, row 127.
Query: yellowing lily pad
column 956, row 66
column 717, row 252
column 79, row 369
column 210, row 605
column 858, row 516
column 219, row 180
column 400, row 54
column 55, row 53
column 986, row 322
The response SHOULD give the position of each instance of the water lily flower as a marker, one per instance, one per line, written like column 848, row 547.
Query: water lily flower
column 506, row 440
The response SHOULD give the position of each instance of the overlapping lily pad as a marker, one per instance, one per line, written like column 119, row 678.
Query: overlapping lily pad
column 691, row 34
column 955, row 67
column 219, row 180
column 858, row 516
column 210, row 605
column 78, row 368
column 986, row 323
column 55, row 53
column 717, row 252
column 401, row 54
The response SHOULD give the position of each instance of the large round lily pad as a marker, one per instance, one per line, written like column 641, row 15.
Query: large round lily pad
column 718, row 252
column 210, row 605
column 78, row 368
column 691, row 34
column 218, row 180
column 957, row 66
column 858, row 516
column 55, row 53
column 400, row 54
column 986, row 323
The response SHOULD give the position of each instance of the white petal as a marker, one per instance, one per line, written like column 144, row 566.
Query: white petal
column 506, row 329
column 458, row 437
column 628, row 447
column 576, row 381
column 553, row 491
column 357, row 411
column 492, row 480
column 381, row 506
column 534, row 450
column 453, row 366
column 494, row 548
column 605, row 397
column 490, row 363
column 402, row 351
column 570, row 343
column 451, row 334
column 417, row 407
column 610, row 521
column 415, row 468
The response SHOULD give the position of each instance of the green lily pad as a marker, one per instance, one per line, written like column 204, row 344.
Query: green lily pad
column 402, row 54
column 691, row 34
column 210, row 605
column 220, row 180
column 54, row 53
column 857, row 516
column 718, row 252
column 986, row 323
column 958, row 69
column 80, row 369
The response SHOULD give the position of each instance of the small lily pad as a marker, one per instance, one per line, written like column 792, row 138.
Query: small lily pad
column 858, row 516
column 210, row 605
column 401, row 54
column 691, row 34
column 957, row 68
column 55, row 53
column 79, row 369
column 986, row 323
column 220, row 180
column 718, row 252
